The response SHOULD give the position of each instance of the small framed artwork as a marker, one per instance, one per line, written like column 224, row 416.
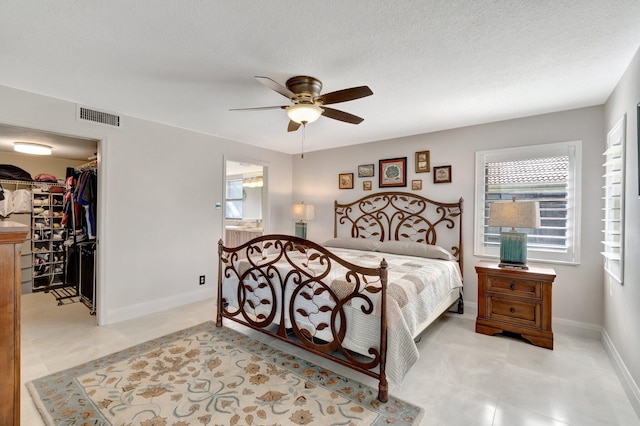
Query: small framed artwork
column 416, row 184
column 442, row 174
column 422, row 162
column 366, row 185
column 345, row 181
column 393, row 172
column 366, row 170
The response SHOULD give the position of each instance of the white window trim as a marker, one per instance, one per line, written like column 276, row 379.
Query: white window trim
column 571, row 148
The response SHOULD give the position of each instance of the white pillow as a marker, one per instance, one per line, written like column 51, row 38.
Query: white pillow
column 410, row 248
column 353, row 243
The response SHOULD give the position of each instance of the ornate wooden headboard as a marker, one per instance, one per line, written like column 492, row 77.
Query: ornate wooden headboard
column 402, row 216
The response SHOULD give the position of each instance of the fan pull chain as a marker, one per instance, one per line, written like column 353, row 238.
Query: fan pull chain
column 304, row 132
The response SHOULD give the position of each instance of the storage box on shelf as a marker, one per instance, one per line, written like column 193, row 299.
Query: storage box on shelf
column 47, row 240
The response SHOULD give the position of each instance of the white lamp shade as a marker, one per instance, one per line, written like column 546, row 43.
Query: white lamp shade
column 514, row 214
column 302, row 212
column 304, row 113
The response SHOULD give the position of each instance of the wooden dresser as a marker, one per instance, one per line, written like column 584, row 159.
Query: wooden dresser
column 515, row 300
column 12, row 235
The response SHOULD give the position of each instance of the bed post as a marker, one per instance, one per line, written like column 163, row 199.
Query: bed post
column 383, row 386
column 460, row 257
column 460, row 252
column 335, row 218
column 219, row 304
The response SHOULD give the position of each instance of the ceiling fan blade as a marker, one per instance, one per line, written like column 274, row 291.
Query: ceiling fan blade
column 274, row 85
column 259, row 108
column 345, row 95
column 293, row 126
column 341, row 115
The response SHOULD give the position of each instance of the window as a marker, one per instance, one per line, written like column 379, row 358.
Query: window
column 234, row 199
column 613, row 223
column 549, row 174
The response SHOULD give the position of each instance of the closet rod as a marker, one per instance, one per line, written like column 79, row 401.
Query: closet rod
column 91, row 165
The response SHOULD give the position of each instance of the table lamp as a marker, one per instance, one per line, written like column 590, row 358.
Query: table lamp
column 302, row 213
column 513, row 244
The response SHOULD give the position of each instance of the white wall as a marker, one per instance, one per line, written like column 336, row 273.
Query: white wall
column 621, row 302
column 577, row 292
column 158, row 185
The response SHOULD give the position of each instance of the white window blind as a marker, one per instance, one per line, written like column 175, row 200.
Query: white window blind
column 543, row 173
column 613, row 221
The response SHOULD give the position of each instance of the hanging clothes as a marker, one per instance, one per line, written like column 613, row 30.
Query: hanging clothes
column 69, row 208
column 86, row 196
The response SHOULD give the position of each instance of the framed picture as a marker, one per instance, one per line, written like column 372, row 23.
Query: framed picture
column 393, row 172
column 442, row 174
column 422, row 162
column 345, row 181
column 366, row 170
column 416, row 184
column 366, row 185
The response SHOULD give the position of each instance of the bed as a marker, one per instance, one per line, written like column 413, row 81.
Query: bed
column 360, row 298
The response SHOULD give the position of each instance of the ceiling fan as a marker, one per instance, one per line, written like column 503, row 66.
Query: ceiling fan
column 308, row 104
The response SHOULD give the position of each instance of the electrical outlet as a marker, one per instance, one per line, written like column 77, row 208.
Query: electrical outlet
column 201, row 279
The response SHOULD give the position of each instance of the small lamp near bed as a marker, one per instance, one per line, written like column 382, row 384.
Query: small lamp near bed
column 513, row 244
column 302, row 213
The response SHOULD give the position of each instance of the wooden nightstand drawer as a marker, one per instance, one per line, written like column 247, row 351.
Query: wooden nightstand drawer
column 513, row 311
column 514, row 287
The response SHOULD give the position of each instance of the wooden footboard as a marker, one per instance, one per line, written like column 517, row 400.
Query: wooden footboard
column 299, row 292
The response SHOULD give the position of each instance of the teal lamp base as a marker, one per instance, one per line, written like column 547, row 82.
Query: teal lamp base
column 301, row 230
column 513, row 250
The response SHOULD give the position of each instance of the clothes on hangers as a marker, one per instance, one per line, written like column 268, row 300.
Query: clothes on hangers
column 86, row 196
column 68, row 207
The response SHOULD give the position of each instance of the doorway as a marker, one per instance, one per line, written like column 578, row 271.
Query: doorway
column 245, row 201
column 46, row 265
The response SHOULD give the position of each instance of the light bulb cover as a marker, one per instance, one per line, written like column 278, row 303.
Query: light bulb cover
column 304, row 113
column 32, row 148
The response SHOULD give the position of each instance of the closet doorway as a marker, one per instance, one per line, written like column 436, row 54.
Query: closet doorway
column 59, row 256
column 245, row 201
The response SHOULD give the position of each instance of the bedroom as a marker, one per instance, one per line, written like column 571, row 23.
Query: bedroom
column 152, row 156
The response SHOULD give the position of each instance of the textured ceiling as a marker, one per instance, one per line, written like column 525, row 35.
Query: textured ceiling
column 432, row 65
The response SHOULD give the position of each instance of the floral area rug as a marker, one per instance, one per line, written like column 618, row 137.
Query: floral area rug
column 206, row 375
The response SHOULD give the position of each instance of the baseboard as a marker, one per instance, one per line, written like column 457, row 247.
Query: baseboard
column 470, row 310
column 629, row 385
column 158, row 305
column 577, row 328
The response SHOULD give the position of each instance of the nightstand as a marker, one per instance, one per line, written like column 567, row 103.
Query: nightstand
column 516, row 301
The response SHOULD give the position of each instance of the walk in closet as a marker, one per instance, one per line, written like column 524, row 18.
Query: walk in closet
column 56, row 198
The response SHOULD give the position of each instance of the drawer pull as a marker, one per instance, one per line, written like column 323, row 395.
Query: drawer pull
column 512, row 286
column 512, row 309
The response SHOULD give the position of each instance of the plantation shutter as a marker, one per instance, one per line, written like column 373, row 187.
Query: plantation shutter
column 613, row 222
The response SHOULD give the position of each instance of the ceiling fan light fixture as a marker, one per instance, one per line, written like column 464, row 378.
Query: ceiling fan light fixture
column 304, row 113
column 32, row 148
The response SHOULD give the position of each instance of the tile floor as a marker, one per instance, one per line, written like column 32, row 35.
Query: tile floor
column 461, row 378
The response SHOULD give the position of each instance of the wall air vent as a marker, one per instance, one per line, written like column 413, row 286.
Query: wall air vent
column 100, row 117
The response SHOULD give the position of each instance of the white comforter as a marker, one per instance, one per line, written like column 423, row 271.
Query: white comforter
column 416, row 287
